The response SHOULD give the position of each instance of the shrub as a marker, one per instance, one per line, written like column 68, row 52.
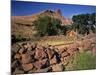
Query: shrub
column 15, row 39
column 83, row 23
column 47, row 26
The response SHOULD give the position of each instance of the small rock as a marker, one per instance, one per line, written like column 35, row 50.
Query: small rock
column 86, row 44
column 29, row 46
column 41, row 64
column 51, row 47
column 15, row 64
column 65, row 54
column 65, row 60
column 54, row 60
column 50, row 53
column 40, row 54
column 73, row 47
column 57, row 67
column 24, row 44
column 40, row 47
column 34, row 46
column 25, row 47
column 31, row 52
column 15, row 48
column 12, row 56
column 17, row 71
column 26, row 58
column 17, row 56
column 62, row 50
column 27, row 67
column 21, row 50
column 71, row 51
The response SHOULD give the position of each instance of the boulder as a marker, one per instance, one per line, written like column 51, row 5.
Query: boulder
column 51, row 47
column 15, row 48
column 54, row 60
column 37, row 65
column 86, row 44
column 17, row 56
column 71, row 52
column 21, row 51
column 41, row 64
column 15, row 64
column 57, row 67
column 50, row 53
column 65, row 60
column 40, row 54
column 31, row 52
column 40, row 47
column 17, row 71
column 65, row 54
column 29, row 46
column 26, row 58
column 12, row 56
column 25, row 47
column 27, row 67
column 93, row 40
column 72, row 48
column 34, row 46
column 62, row 50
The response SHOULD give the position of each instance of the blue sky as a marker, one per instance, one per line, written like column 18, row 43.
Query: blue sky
column 21, row 8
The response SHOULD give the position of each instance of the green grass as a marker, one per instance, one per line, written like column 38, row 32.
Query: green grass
column 52, row 42
column 84, row 61
column 56, row 41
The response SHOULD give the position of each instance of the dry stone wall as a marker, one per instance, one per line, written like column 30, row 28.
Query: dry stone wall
column 33, row 58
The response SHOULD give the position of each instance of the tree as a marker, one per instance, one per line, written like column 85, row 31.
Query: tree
column 82, row 23
column 47, row 26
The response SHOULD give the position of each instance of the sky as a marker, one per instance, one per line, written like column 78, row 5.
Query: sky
column 22, row 8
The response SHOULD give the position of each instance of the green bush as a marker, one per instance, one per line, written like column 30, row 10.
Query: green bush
column 47, row 26
column 19, row 38
column 83, row 23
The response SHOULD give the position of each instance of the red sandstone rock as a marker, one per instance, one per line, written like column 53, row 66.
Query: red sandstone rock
column 26, row 58
column 50, row 53
column 65, row 54
column 54, row 60
column 57, row 67
column 40, row 54
column 27, row 67
column 41, row 64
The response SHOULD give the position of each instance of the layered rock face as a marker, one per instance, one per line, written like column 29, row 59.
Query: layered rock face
column 33, row 58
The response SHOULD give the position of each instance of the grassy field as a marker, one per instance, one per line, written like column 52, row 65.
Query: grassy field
column 85, row 61
column 82, row 61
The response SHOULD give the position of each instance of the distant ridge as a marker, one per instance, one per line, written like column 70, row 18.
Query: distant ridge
column 21, row 24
